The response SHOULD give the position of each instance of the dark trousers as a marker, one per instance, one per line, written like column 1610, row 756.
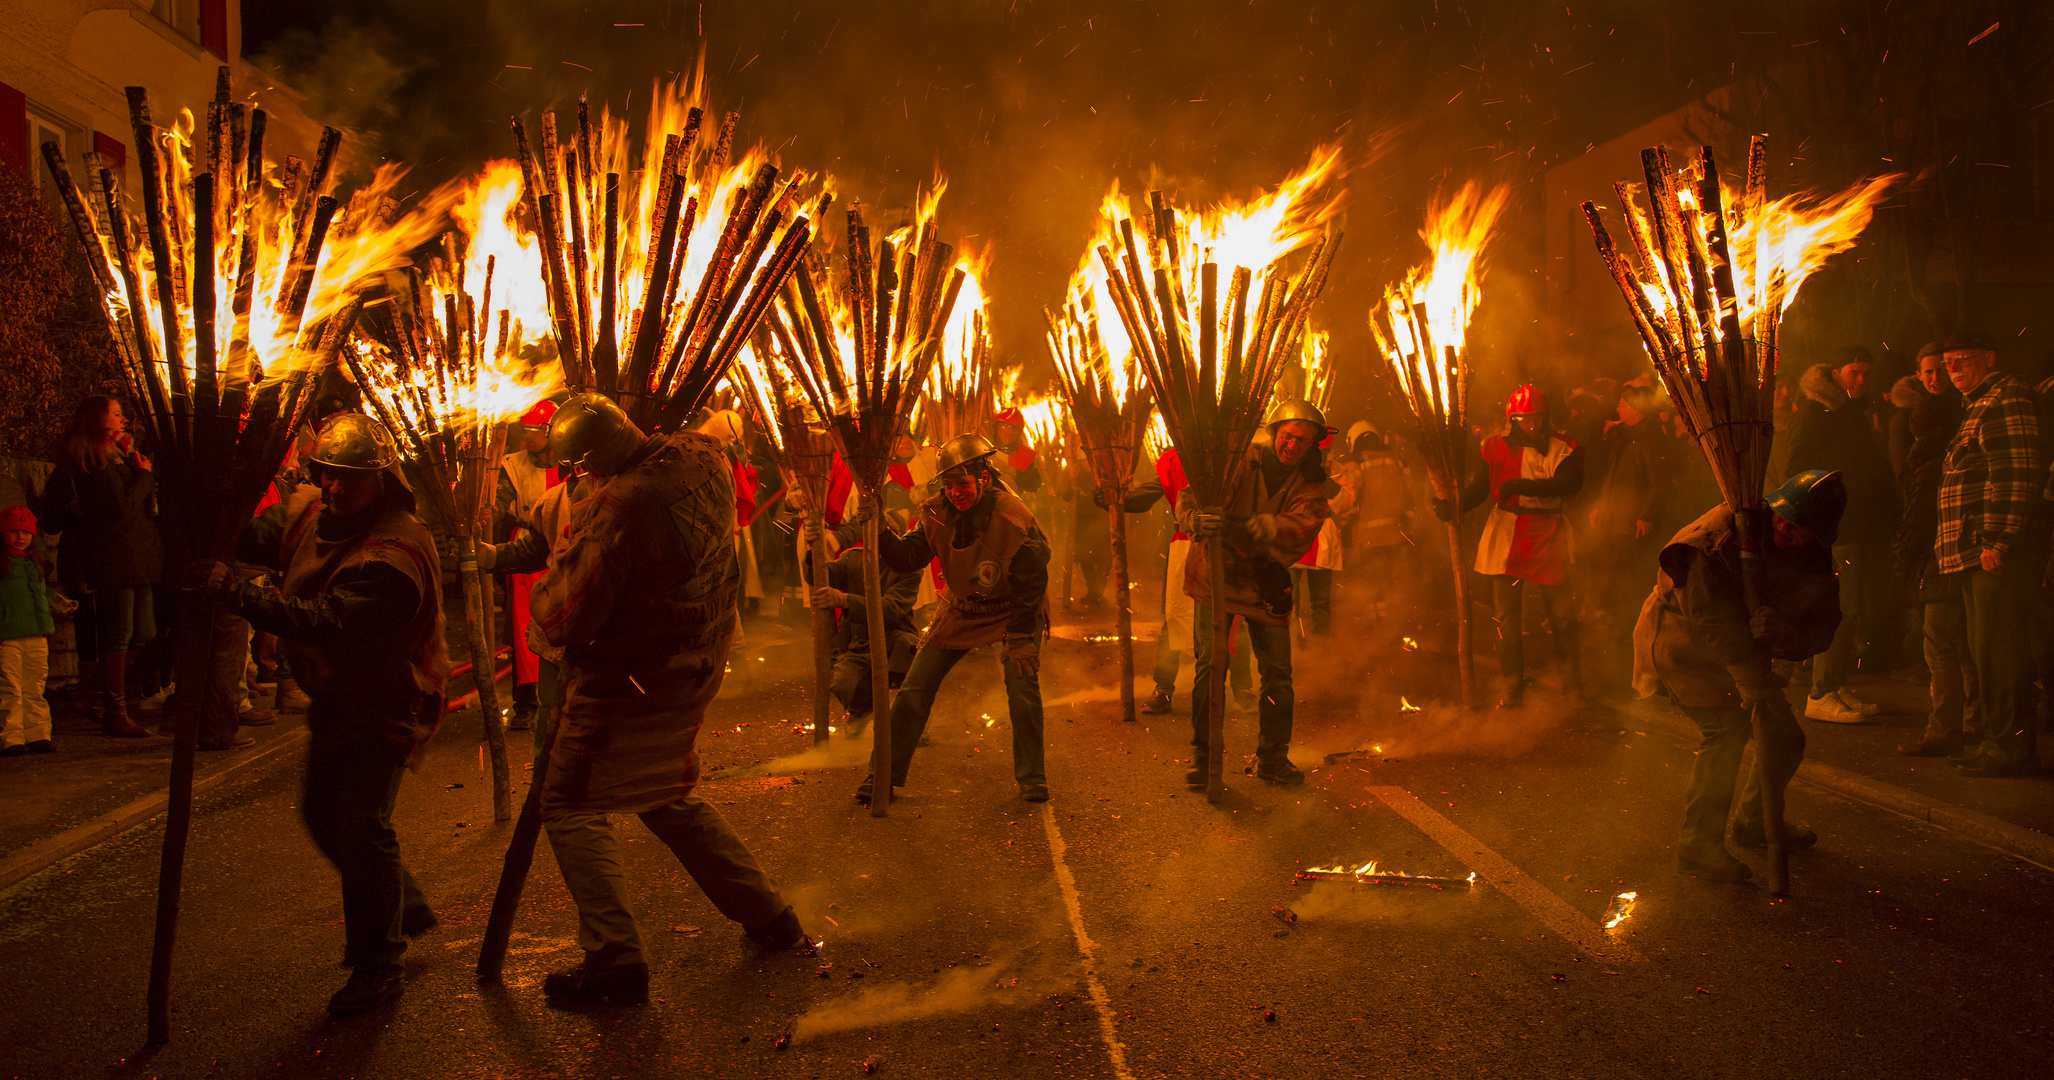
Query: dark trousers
column 548, row 699
column 1272, row 648
column 347, row 806
column 1318, row 597
column 1995, row 608
column 1168, row 657
column 1717, row 771
column 1509, row 604
column 915, row 700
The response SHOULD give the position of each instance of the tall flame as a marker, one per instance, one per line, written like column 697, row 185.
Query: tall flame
column 1445, row 290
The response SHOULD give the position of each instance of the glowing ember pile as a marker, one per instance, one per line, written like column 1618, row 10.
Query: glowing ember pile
column 1422, row 328
column 1370, row 874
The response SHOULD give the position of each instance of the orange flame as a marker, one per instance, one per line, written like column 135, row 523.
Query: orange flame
column 1446, row 288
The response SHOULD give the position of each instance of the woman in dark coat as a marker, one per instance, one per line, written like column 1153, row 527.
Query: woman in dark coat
column 101, row 499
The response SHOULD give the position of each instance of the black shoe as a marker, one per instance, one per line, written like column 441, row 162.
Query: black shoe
column 864, row 789
column 1280, row 771
column 1943, row 746
column 1198, row 777
column 1157, row 703
column 417, row 921
column 1713, row 865
column 617, row 984
column 781, row 933
column 42, row 746
column 17, row 750
column 522, row 719
column 1035, row 793
column 1795, row 837
column 366, row 990
column 1983, row 765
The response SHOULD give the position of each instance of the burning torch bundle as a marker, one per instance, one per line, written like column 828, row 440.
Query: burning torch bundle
column 1211, row 366
column 432, row 371
column 860, row 357
column 1109, row 408
column 1716, row 269
column 226, row 302
column 1422, row 328
column 617, row 265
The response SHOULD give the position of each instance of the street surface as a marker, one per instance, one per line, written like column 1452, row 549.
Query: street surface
column 1127, row 929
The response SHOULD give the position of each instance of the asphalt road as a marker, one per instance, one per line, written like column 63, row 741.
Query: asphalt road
column 1127, row 929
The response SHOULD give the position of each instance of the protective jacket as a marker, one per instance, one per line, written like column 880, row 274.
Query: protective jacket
column 359, row 615
column 1694, row 641
column 1295, row 495
column 1524, row 536
column 994, row 559
column 641, row 597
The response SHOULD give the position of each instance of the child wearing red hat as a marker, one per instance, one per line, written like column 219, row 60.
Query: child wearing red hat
column 25, row 627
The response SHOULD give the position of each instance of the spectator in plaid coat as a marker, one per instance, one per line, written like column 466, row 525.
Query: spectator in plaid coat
column 1989, row 482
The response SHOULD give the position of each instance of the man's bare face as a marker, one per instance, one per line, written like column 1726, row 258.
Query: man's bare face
column 963, row 490
column 1853, row 378
column 346, row 492
column 535, row 440
column 1529, row 424
column 1295, row 438
column 1967, row 368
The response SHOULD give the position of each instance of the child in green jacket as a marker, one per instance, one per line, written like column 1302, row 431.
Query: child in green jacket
column 25, row 626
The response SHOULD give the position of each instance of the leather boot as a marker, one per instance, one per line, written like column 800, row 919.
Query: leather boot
column 114, row 718
column 289, row 697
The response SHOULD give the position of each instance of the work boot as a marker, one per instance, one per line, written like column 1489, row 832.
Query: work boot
column 780, row 933
column 1937, row 746
column 864, row 789
column 1983, row 764
column 1157, row 703
column 1034, row 793
column 255, row 716
column 366, row 990
column 1198, row 775
column 1795, row 837
column 289, row 697
column 1280, row 771
column 1711, row 864
column 114, row 718
column 522, row 718
column 615, row 984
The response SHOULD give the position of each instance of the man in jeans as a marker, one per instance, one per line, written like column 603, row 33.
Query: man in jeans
column 1931, row 414
column 1269, row 522
column 1989, row 481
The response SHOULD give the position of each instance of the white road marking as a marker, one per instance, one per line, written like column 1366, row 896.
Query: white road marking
column 1100, row 1000
column 1574, row 926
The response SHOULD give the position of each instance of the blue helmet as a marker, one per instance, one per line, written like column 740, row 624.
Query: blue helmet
column 1812, row 500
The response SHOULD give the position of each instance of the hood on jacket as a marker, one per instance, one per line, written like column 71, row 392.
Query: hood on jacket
column 1907, row 392
column 1819, row 385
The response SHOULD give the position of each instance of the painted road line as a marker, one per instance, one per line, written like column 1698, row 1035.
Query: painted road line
column 1574, row 926
column 1100, row 1000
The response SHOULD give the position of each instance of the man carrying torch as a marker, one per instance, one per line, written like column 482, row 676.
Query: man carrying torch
column 524, row 478
column 1271, row 519
column 359, row 612
column 642, row 599
column 994, row 560
column 1697, row 643
column 1529, row 473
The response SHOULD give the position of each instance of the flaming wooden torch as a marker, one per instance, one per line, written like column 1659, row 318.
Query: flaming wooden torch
column 1422, row 328
column 1211, row 369
column 861, row 359
column 1109, row 409
column 1716, row 270
column 433, row 373
column 226, row 300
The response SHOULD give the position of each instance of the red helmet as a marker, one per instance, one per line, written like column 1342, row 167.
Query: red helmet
column 1009, row 416
column 1526, row 401
column 540, row 415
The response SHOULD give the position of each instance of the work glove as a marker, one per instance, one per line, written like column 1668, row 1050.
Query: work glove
column 1195, row 522
column 1098, row 498
column 1022, row 657
column 1766, row 625
column 824, row 597
column 1443, row 508
column 795, row 499
column 207, row 575
column 1261, row 529
column 488, row 556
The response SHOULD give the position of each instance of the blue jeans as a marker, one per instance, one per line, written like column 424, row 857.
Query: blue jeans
column 915, row 700
column 125, row 617
column 1272, row 647
column 1830, row 668
column 348, row 809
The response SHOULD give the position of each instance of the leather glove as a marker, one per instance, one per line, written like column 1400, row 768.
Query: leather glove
column 1023, row 657
column 1203, row 525
column 829, row 598
column 1262, row 528
column 1443, row 508
column 208, row 576
column 488, row 555
column 1766, row 625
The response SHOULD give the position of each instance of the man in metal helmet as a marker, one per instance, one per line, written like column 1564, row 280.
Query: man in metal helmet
column 1530, row 474
column 994, row 568
column 641, row 596
column 1698, row 643
column 524, row 477
column 1270, row 520
column 359, row 613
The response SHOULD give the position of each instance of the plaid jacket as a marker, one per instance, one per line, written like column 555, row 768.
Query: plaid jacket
column 1990, row 476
